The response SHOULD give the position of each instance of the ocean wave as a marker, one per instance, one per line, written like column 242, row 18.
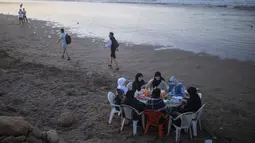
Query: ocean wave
column 236, row 4
column 247, row 3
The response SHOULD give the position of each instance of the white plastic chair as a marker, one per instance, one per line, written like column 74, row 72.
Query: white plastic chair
column 129, row 85
column 186, row 119
column 127, row 111
column 196, row 119
column 111, row 97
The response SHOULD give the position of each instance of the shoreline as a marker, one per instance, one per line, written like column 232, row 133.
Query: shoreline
column 249, row 6
column 56, row 26
column 179, row 35
column 226, row 83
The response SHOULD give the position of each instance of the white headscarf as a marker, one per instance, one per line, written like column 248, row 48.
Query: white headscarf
column 173, row 81
column 121, row 86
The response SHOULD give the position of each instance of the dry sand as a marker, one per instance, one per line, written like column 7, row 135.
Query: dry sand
column 40, row 84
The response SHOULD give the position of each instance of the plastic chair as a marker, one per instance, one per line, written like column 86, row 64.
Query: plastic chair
column 127, row 113
column 129, row 85
column 111, row 97
column 196, row 119
column 186, row 119
column 153, row 118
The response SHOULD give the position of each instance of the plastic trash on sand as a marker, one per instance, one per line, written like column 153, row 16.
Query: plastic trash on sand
column 49, row 36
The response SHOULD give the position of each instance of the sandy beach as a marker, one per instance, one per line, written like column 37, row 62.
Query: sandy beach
column 44, row 84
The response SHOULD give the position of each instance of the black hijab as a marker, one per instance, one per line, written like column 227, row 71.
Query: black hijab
column 138, row 84
column 194, row 102
column 129, row 97
column 155, row 82
column 192, row 92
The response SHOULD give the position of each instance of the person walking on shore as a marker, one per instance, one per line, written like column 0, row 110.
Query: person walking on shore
column 24, row 15
column 20, row 17
column 65, row 39
column 113, row 43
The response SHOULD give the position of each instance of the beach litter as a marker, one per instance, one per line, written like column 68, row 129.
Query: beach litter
column 49, row 36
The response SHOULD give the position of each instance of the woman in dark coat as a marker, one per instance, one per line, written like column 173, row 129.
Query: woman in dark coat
column 138, row 83
column 193, row 103
column 130, row 100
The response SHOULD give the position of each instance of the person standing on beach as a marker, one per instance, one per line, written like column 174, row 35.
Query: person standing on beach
column 24, row 15
column 20, row 17
column 113, row 43
column 62, row 38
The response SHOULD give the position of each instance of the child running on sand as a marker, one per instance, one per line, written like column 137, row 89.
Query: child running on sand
column 62, row 37
column 113, row 43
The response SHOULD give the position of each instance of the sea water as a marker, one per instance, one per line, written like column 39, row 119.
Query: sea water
column 224, row 32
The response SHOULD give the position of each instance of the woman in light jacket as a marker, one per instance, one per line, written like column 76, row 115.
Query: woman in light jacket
column 122, row 85
column 176, row 88
column 157, row 82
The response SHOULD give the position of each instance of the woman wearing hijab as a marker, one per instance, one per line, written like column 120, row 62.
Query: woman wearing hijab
column 138, row 83
column 157, row 82
column 130, row 100
column 176, row 88
column 133, row 102
column 193, row 103
column 121, row 86
column 156, row 103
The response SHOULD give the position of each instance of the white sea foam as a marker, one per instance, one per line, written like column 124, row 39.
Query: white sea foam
column 219, row 31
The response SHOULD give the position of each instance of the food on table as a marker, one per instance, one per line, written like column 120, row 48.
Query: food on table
column 146, row 93
column 163, row 94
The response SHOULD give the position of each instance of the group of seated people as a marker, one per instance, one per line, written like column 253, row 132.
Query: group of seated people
column 174, row 87
column 156, row 84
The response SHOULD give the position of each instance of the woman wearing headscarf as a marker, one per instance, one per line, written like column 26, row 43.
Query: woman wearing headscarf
column 138, row 83
column 193, row 103
column 133, row 102
column 122, row 85
column 157, row 82
column 156, row 103
column 176, row 88
column 130, row 100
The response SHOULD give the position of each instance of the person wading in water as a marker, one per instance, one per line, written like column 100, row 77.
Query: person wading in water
column 113, row 43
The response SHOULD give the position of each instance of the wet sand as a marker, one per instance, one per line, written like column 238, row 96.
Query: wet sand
column 47, row 84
